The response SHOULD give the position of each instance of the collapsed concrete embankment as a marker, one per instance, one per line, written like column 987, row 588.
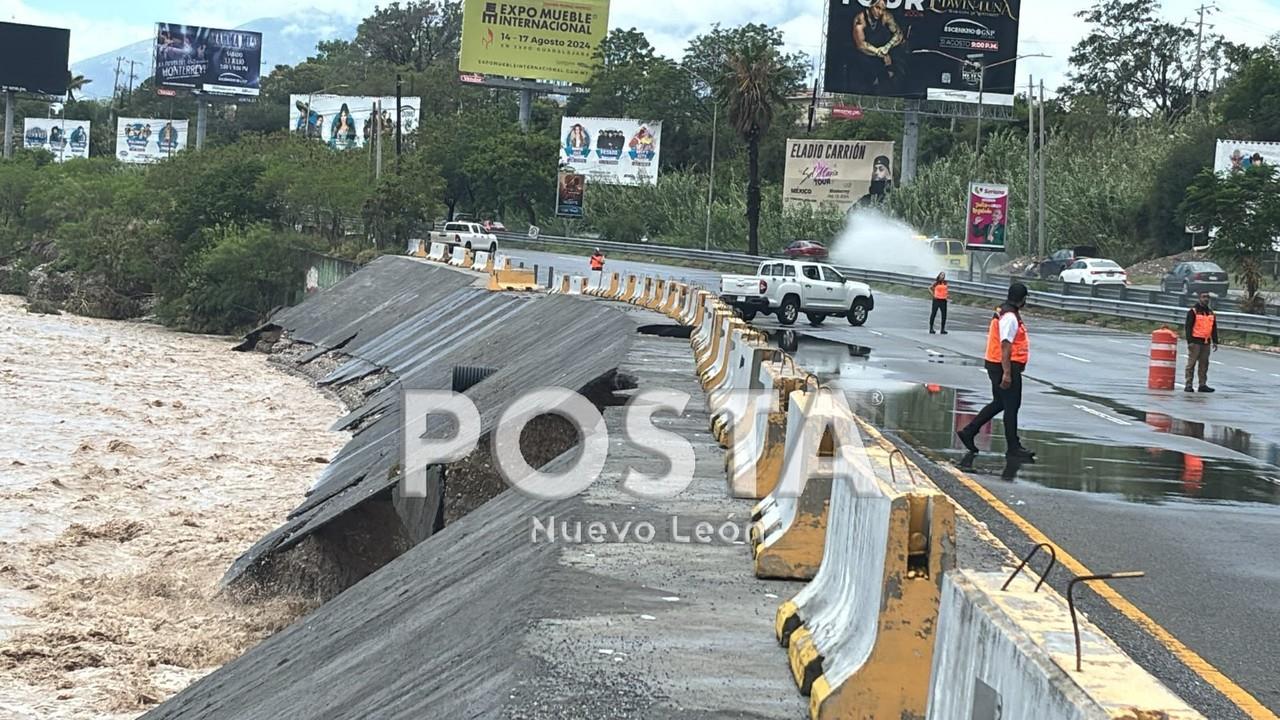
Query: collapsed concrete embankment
column 401, row 324
column 514, row 611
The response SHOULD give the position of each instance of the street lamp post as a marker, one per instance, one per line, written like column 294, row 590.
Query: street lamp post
column 982, row 83
column 711, row 176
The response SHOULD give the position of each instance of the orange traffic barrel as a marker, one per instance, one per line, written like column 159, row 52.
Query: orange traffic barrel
column 1164, row 360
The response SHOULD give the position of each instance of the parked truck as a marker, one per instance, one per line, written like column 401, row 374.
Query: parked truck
column 469, row 235
column 790, row 287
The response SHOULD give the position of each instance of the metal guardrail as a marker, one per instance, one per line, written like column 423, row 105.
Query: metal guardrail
column 1147, row 305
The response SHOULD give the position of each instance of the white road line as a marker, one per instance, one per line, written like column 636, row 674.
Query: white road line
column 1275, row 374
column 1246, row 369
column 1215, row 362
column 1073, row 357
column 1118, row 342
column 1102, row 415
column 1140, row 346
column 877, row 334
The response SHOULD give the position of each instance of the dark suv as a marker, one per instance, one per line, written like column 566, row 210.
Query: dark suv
column 1051, row 268
column 1191, row 278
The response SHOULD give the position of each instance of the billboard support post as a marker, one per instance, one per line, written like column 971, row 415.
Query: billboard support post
column 910, row 141
column 526, row 108
column 202, row 121
column 977, row 141
column 8, row 124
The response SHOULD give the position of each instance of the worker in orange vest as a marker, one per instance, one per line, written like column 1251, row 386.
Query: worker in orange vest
column 1008, row 350
column 1202, row 333
column 939, row 291
column 597, row 265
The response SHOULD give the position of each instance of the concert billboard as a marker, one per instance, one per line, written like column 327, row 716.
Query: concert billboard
column 837, row 174
column 570, row 192
column 611, row 151
column 148, row 140
column 66, row 139
column 1237, row 155
column 208, row 60
column 552, row 40
column 923, row 49
column 33, row 59
column 346, row 121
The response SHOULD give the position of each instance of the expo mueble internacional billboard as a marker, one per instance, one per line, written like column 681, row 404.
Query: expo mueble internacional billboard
column 552, row 40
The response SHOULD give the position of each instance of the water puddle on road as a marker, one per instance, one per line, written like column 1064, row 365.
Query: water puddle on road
column 927, row 416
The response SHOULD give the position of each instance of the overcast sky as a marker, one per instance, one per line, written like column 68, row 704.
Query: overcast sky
column 1048, row 26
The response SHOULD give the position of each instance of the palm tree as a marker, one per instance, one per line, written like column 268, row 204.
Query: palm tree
column 753, row 85
column 76, row 82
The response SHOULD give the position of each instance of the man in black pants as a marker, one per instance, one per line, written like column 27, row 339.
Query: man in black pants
column 1008, row 350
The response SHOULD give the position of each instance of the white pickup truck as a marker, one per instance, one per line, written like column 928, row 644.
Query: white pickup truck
column 791, row 287
column 467, row 234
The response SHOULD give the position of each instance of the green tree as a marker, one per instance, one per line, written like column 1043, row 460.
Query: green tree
column 1244, row 207
column 1250, row 105
column 413, row 35
column 1133, row 61
column 753, row 89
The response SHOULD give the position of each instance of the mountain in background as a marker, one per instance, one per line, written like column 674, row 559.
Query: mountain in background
column 286, row 40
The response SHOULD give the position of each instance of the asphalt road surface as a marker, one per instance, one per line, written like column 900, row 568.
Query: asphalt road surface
column 1185, row 487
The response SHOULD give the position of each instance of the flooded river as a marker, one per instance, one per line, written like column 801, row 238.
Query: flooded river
column 135, row 464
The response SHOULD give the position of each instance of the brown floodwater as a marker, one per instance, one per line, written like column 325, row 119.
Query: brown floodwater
column 135, row 464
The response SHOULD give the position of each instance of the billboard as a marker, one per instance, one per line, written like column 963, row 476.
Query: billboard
column 925, row 49
column 33, row 59
column 611, row 151
column 1237, row 155
column 570, row 193
column 836, row 174
column 148, row 140
column 208, row 60
column 66, row 139
column 346, row 121
column 554, row 40
column 988, row 217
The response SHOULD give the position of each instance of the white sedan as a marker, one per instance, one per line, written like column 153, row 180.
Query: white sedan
column 1094, row 271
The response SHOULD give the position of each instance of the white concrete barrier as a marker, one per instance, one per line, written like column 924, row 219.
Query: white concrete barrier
column 596, row 285
column 577, row 285
column 459, row 258
column 789, row 538
column 482, row 261
column 439, row 251
column 860, row 636
column 1011, row 654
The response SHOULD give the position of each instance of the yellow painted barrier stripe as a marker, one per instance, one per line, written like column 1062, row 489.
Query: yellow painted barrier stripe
column 1210, row 674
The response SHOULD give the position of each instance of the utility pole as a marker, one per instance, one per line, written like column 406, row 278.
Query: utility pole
column 115, row 86
column 377, row 142
column 132, row 75
column 911, row 141
column 399, row 121
column 1195, row 80
column 1031, row 165
column 1040, row 216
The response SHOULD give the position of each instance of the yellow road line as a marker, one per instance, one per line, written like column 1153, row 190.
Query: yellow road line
column 1210, row 674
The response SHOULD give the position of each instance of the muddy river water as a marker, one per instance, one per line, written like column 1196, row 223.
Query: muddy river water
column 135, row 464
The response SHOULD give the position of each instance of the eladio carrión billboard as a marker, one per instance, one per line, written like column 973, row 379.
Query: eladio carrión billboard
column 837, row 174
column 923, row 49
column 553, row 40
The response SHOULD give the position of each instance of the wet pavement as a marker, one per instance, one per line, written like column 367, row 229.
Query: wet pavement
column 1183, row 486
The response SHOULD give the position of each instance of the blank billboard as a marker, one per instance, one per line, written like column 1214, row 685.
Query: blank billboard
column 33, row 59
